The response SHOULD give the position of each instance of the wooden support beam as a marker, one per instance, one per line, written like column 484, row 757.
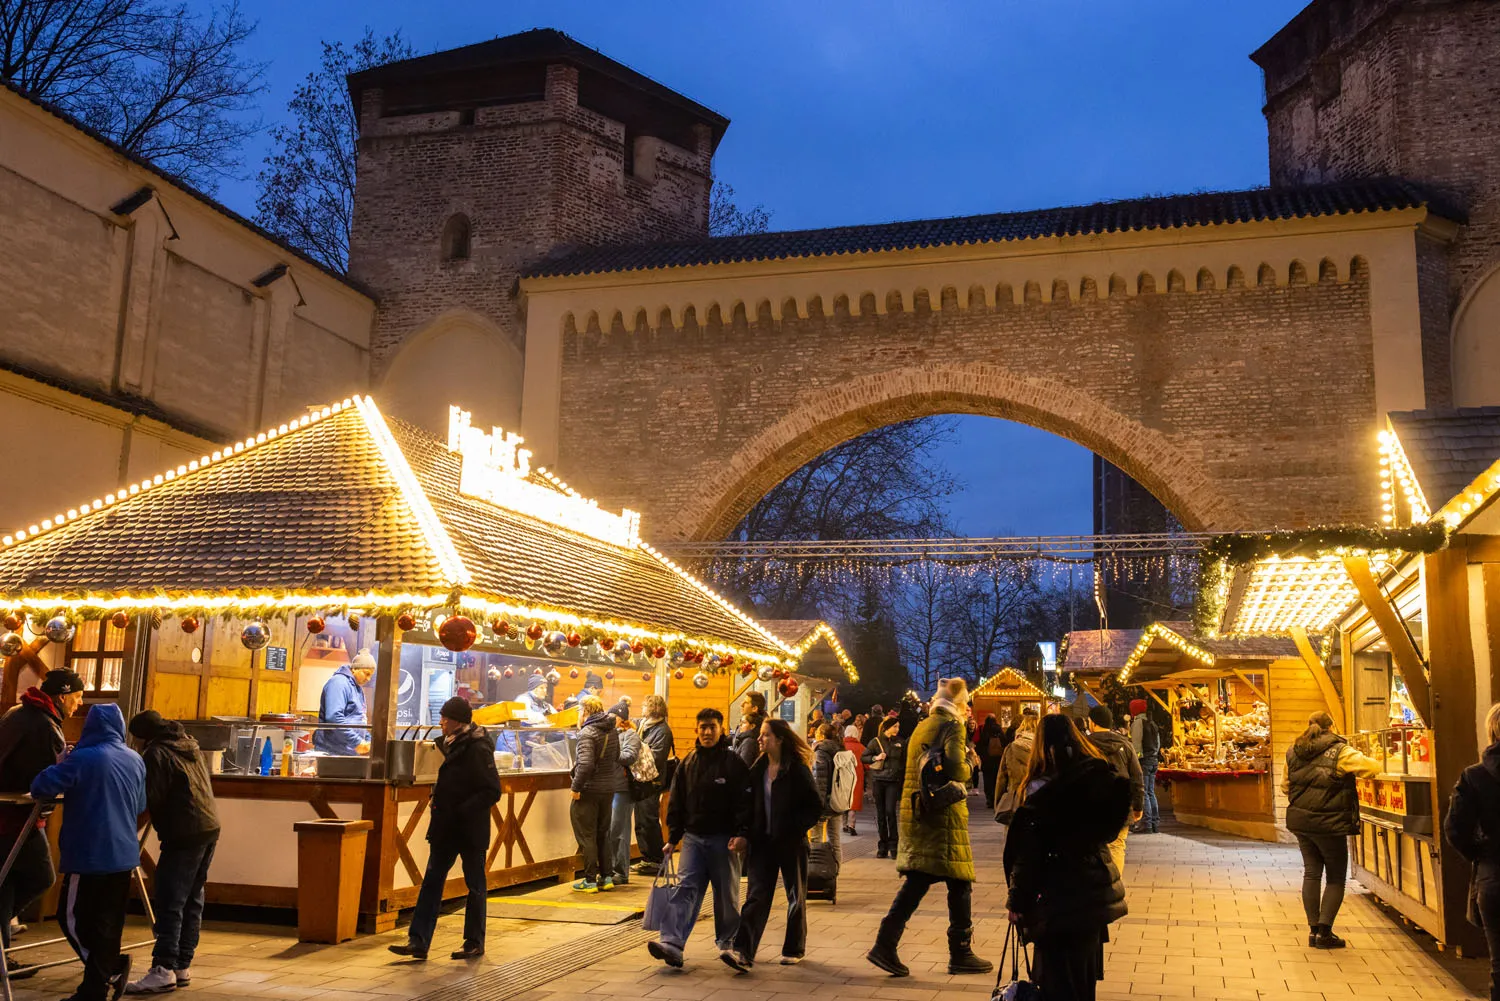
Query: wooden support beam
column 1320, row 675
column 1245, row 678
column 1157, row 699
column 1403, row 652
column 1482, row 548
column 382, row 712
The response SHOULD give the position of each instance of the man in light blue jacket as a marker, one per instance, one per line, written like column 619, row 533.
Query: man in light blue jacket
column 343, row 701
column 103, row 783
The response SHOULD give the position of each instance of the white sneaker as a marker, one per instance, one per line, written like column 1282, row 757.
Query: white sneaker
column 184, row 977
column 157, row 980
column 790, row 960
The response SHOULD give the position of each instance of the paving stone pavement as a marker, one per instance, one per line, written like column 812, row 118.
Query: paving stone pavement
column 1212, row 917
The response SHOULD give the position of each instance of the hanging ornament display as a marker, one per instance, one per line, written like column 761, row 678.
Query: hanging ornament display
column 500, row 628
column 679, row 674
column 727, row 660
column 606, row 645
column 714, row 661
column 494, row 674
column 700, row 680
column 58, row 629
column 659, row 653
column 535, row 631
column 509, row 672
column 637, row 646
column 553, row 644
column 316, row 625
column 622, row 652
column 778, row 673
column 189, row 624
column 747, row 670
column 575, row 639
column 255, row 635
column 766, row 673
column 11, row 643
column 537, row 671
column 13, row 623
column 553, row 677
column 788, row 688
column 458, row 633
column 678, row 657
column 119, row 620
column 406, row 622
column 573, row 674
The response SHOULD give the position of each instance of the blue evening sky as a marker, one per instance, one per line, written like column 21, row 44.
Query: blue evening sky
column 846, row 111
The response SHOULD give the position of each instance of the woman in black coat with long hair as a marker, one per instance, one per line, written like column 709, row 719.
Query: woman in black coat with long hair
column 786, row 805
column 1473, row 828
column 1064, row 888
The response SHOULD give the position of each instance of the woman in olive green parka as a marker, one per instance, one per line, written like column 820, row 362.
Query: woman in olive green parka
column 935, row 849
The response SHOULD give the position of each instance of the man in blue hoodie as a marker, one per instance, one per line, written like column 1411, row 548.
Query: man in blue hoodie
column 103, row 783
column 343, row 701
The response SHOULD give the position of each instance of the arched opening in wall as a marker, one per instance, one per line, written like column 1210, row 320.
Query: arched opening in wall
column 1476, row 345
column 456, row 236
column 460, row 358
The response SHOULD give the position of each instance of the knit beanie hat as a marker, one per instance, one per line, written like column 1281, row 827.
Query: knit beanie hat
column 1137, row 706
column 458, row 710
column 535, row 681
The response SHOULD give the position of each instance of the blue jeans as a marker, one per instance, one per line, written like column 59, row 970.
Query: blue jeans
column 621, row 820
column 701, row 861
column 1152, row 816
column 440, row 859
column 177, row 896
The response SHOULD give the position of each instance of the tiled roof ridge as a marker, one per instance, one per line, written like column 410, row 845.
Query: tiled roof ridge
column 114, row 500
column 1156, row 212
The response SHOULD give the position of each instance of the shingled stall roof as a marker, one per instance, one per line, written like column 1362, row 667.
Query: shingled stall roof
column 1448, row 449
column 1133, row 215
column 1007, row 683
column 342, row 508
column 1098, row 651
column 1171, row 647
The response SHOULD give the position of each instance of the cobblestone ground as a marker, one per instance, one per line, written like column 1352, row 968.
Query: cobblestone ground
column 1211, row 917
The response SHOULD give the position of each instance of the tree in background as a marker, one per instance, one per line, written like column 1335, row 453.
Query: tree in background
column 307, row 184
column 725, row 218
column 982, row 616
column 876, row 651
column 166, row 83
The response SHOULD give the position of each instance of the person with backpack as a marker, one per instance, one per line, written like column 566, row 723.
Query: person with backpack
column 1473, row 829
column 1065, row 890
column 1145, row 739
column 885, row 759
column 1118, row 752
column 934, row 847
column 786, row 804
column 856, row 750
column 825, row 769
column 1323, row 812
column 622, row 812
column 656, row 738
column 990, row 742
column 595, row 782
column 1013, row 765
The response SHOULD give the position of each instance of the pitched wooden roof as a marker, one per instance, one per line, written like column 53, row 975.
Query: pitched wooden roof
column 1008, row 683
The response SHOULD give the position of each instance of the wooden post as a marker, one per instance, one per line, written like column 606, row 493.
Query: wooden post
column 257, row 657
column 387, row 686
column 1450, row 651
column 205, row 669
column 1320, row 675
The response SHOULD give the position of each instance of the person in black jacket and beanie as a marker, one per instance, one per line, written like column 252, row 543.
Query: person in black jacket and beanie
column 1473, row 829
column 1323, row 811
column 1064, row 888
column 180, row 799
column 786, row 804
column 458, row 827
column 885, row 759
column 596, row 779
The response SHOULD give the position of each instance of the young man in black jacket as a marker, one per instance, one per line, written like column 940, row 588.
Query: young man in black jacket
column 458, row 827
column 31, row 739
column 180, row 799
column 708, row 814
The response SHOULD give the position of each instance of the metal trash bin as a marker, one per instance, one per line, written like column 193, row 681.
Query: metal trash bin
column 330, row 869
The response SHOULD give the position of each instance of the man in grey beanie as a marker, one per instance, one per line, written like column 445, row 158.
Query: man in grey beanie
column 458, row 827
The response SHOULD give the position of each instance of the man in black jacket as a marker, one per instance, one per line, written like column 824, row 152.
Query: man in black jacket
column 1117, row 750
column 180, row 799
column 31, row 740
column 458, row 827
column 708, row 813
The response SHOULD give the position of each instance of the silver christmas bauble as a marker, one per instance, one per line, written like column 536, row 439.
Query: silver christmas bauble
column 714, row 660
column 622, row 652
column 676, row 657
column 58, row 629
column 554, row 643
column 255, row 636
column 11, row 644
column 700, row 680
column 553, row 677
column 766, row 672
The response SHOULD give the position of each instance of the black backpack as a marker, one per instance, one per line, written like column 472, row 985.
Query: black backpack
column 937, row 791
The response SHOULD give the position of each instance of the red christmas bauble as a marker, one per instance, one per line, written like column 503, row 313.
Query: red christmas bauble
column 607, row 644
column 119, row 620
column 609, row 675
column 500, row 628
column 659, row 653
column 574, row 639
column 637, row 646
column 573, row 673
column 458, row 633
column 13, row 623
column 698, row 657
column 190, row 624
column 678, row 674
column 535, row 631
column 728, row 660
column 406, row 622
column 645, row 675
column 508, row 672
column 536, row 670
column 746, row 670
column 791, row 687
column 778, row 673
column 782, row 688
column 315, row 624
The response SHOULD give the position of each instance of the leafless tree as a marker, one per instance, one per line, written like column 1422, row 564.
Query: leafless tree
column 726, row 218
column 164, row 82
column 307, row 184
column 924, row 622
column 983, row 614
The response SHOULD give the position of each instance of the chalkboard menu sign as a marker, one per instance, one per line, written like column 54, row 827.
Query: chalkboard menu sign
column 275, row 659
column 789, row 710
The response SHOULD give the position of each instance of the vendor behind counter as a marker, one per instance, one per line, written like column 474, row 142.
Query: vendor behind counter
column 343, row 701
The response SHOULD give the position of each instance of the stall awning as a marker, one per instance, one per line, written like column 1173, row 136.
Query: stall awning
column 816, row 646
column 1173, row 651
column 344, row 508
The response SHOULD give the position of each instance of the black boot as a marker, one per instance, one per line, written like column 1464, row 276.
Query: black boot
column 961, row 958
column 1327, row 939
column 883, row 952
column 1312, row 935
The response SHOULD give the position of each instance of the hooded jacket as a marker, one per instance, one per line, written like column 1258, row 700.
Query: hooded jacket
column 794, row 805
column 1062, row 880
column 824, row 752
column 342, row 701
column 535, row 698
column 179, row 791
column 597, row 771
column 467, row 786
column 31, row 739
column 710, row 794
column 104, row 782
column 1118, row 751
column 1014, row 762
column 939, row 845
column 1321, row 794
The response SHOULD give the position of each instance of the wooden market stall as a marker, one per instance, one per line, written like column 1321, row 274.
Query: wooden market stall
column 1003, row 695
column 1235, row 704
column 228, row 591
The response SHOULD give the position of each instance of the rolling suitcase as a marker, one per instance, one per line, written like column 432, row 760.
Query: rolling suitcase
column 823, row 870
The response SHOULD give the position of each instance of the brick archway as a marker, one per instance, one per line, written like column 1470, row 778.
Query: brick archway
column 823, row 419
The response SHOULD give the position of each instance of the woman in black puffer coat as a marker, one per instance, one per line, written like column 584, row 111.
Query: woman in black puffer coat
column 597, row 777
column 1064, row 889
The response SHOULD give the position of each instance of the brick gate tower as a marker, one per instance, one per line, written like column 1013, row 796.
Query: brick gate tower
column 479, row 161
column 1410, row 89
